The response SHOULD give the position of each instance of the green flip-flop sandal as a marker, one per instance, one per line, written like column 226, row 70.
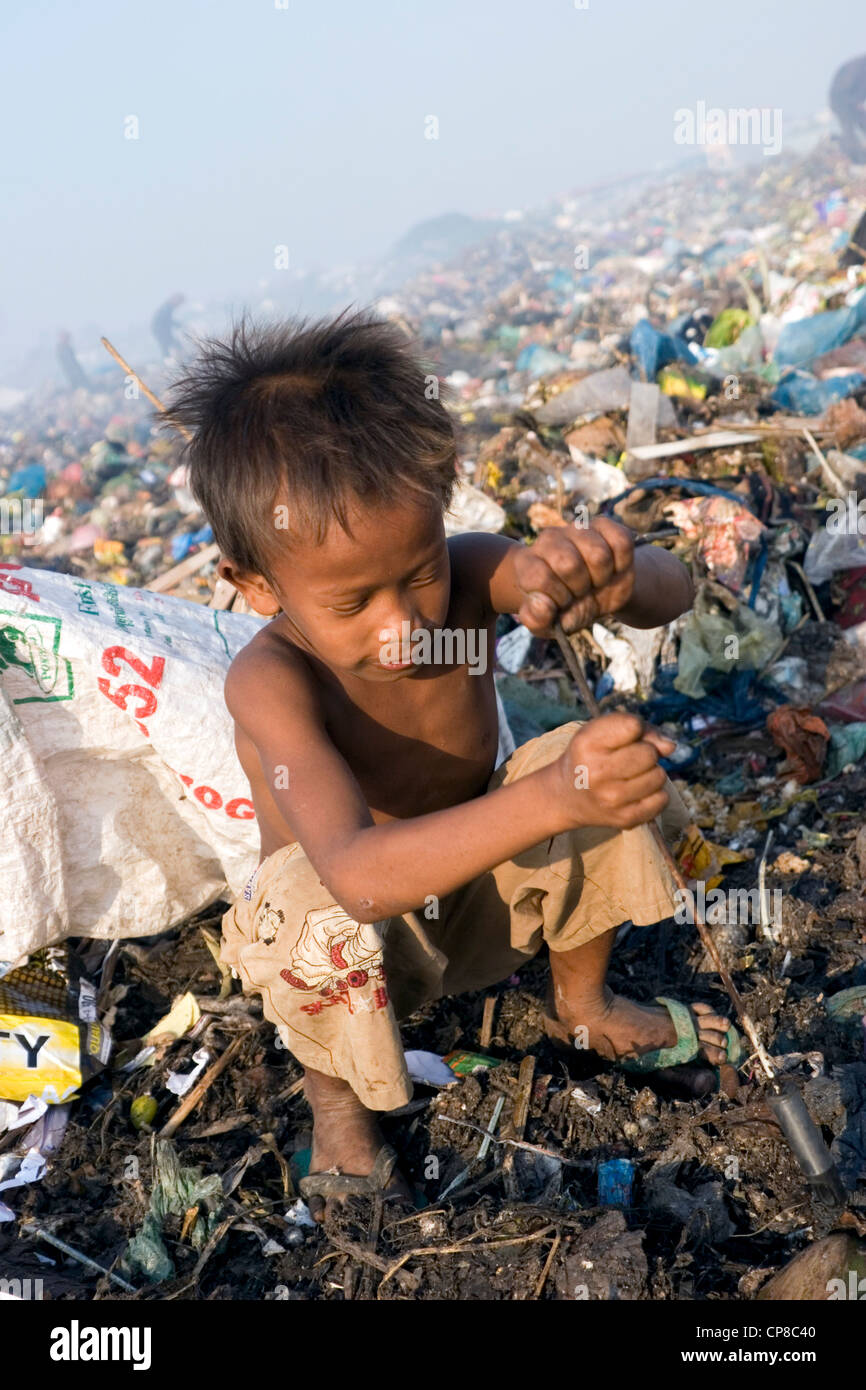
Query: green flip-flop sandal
column 687, row 1047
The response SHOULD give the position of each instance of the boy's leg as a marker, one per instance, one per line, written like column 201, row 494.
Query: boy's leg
column 616, row 1027
column 573, row 891
column 322, row 981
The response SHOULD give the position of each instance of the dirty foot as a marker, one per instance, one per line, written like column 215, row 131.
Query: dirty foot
column 618, row 1029
column 346, row 1139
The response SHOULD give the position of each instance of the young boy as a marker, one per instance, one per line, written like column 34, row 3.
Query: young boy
column 397, row 865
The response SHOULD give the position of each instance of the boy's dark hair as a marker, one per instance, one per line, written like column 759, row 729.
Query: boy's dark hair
column 307, row 415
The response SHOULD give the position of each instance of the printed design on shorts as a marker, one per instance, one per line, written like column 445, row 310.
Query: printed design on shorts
column 268, row 923
column 335, row 956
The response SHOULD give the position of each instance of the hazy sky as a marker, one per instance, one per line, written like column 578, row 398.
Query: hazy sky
column 305, row 126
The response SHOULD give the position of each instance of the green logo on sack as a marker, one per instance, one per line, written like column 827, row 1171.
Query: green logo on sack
column 30, row 643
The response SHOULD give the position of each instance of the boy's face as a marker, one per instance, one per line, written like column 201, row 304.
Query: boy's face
column 346, row 600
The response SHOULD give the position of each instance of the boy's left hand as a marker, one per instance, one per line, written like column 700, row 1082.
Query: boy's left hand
column 574, row 574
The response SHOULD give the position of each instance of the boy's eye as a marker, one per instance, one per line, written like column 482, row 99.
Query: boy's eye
column 346, row 612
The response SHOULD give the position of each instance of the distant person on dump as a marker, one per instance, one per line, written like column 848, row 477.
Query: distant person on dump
column 164, row 327
column 848, row 103
column 70, row 365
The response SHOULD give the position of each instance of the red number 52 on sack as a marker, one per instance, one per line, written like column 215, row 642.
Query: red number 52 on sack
column 143, row 691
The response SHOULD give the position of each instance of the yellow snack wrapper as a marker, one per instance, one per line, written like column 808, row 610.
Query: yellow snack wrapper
column 45, row 1051
column 699, row 857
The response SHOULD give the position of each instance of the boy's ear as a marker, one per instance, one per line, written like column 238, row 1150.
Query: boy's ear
column 254, row 587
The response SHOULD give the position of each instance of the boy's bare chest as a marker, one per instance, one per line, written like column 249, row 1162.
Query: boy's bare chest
column 419, row 745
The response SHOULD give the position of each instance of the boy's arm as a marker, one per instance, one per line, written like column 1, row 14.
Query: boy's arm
column 378, row 871
column 374, row 871
column 582, row 574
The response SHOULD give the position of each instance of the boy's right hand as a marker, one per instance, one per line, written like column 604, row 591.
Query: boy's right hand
column 609, row 775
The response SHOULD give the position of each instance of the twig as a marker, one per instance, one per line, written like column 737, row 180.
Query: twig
column 813, row 597
column 272, row 1147
column 154, row 400
column 459, row 1249
column 542, row 1279
column 358, row 1252
column 221, row 598
column 517, row 1144
column 519, row 1116
column 212, row 1243
column 292, row 1090
column 487, row 1021
column 189, row 1103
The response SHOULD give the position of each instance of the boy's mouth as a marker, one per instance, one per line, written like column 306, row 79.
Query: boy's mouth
column 394, row 665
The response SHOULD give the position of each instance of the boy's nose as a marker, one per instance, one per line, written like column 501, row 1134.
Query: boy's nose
column 400, row 614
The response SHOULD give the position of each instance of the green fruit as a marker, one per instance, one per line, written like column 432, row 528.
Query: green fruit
column 142, row 1111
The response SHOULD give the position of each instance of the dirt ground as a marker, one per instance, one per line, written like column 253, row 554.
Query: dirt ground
column 718, row 1203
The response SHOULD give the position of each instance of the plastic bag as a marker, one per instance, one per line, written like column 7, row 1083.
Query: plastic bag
column 805, row 339
column 654, row 349
column 744, row 355
column 803, row 394
column 847, row 746
column 721, row 634
column 831, row 551
column 175, row 1191
column 803, row 736
column 592, row 479
column 472, row 510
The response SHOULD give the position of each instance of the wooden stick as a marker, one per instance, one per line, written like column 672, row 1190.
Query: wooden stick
column 573, row 662
column 519, row 1116
column 487, row 1021
column 190, row 565
column 189, row 1103
column 154, row 400
column 542, row 1278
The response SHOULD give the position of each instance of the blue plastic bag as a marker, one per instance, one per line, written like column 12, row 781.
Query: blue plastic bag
column 801, row 342
column 182, row 544
column 30, row 480
column 655, row 350
column 804, row 394
column 538, row 360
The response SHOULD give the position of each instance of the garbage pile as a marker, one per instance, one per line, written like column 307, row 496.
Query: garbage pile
column 92, row 486
column 694, row 365
column 689, row 357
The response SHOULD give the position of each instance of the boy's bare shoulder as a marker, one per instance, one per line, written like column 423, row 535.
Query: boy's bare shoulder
column 476, row 556
column 269, row 672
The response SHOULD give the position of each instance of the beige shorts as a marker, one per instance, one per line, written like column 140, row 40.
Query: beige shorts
column 336, row 988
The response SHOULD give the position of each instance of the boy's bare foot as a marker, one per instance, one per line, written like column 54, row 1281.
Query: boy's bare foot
column 618, row 1029
column 346, row 1139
